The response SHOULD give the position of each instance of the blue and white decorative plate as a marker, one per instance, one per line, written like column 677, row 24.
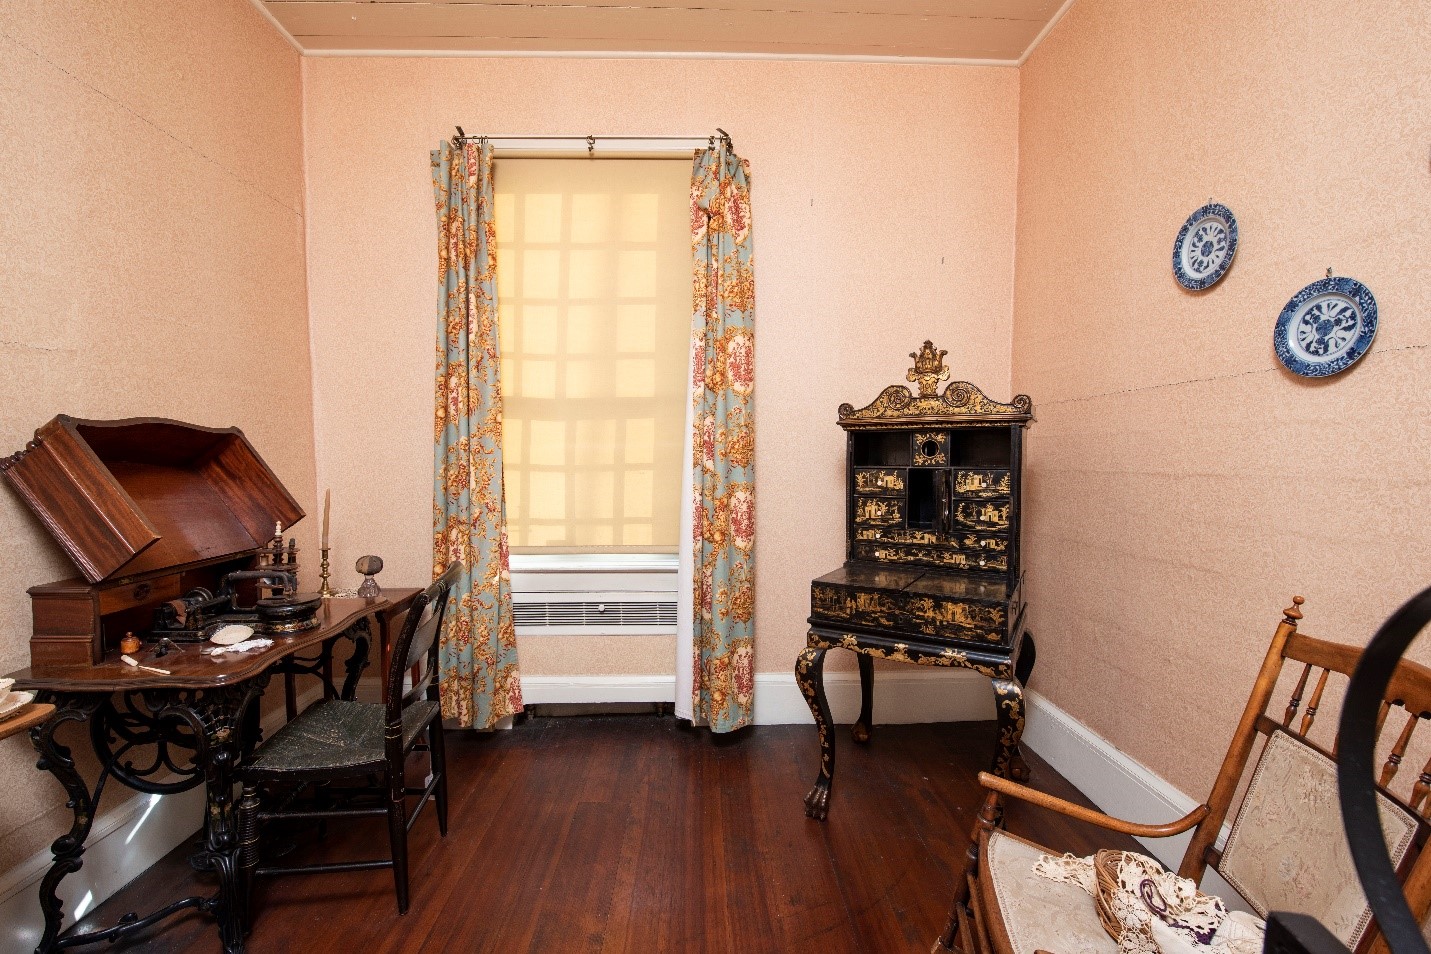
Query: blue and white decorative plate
column 1204, row 247
column 1326, row 327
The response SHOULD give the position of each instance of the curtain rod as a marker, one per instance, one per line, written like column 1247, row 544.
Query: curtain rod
column 591, row 141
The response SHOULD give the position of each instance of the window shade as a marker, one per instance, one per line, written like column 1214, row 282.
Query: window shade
column 594, row 304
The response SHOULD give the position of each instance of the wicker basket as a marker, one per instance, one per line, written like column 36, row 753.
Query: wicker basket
column 1105, row 869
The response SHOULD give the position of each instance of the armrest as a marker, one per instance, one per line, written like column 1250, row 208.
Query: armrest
column 1054, row 804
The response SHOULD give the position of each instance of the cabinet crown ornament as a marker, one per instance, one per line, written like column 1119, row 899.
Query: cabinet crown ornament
column 928, row 369
column 961, row 401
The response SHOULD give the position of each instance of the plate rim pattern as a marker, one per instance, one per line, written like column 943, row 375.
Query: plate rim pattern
column 1212, row 278
column 1336, row 284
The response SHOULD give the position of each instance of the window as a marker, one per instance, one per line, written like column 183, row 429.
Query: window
column 594, row 301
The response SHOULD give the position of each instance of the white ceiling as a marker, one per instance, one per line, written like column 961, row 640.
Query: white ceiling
column 984, row 31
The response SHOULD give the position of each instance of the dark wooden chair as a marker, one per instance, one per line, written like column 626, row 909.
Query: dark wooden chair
column 336, row 741
column 1286, row 850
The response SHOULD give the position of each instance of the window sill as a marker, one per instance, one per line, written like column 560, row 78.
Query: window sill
column 525, row 563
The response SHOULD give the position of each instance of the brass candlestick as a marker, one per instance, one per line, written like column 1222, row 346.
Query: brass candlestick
column 324, row 590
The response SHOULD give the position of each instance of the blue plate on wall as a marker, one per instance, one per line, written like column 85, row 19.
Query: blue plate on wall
column 1326, row 327
column 1204, row 247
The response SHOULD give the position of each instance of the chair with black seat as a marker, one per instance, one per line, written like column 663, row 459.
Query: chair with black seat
column 336, row 741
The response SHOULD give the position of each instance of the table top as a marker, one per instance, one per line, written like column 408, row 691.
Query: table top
column 189, row 669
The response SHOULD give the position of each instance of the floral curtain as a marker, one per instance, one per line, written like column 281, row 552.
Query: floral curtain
column 722, row 442
column 478, row 662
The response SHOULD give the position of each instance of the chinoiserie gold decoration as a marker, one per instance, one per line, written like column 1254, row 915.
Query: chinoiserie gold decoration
column 928, row 369
column 961, row 401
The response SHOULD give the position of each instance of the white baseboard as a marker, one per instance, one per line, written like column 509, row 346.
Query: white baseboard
column 1118, row 784
column 539, row 690
column 123, row 842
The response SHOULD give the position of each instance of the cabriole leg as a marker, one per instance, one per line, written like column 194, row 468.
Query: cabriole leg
column 810, row 676
column 67, row 849
column 865, row 724
column 1009, row 707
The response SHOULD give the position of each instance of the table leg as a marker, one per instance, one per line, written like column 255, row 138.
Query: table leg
column 217, row 718
column 810, row 676
column 56, row 759
column 1009, row 708
column 865, row 724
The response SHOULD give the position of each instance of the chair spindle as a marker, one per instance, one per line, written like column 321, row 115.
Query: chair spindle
column 1393, row 760
column 1296, row 699
column 1310, row 715
column 1422, row 787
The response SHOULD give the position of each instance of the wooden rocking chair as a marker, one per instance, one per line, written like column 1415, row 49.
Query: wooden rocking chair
column 1286, row 850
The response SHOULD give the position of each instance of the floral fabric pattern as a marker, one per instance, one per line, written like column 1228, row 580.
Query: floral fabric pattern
column 480, row 682
column 723, row 441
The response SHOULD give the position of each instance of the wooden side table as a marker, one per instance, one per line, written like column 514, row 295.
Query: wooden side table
column 28, row 717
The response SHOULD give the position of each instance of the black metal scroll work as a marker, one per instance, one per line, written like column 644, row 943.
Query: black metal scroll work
column 217, row 725
column 319, row 666
column 1355, row 774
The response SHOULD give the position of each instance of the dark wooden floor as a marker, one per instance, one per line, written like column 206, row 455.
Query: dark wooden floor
column 633, row 834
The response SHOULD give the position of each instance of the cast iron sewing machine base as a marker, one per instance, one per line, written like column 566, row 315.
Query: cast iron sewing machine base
column 187, row 737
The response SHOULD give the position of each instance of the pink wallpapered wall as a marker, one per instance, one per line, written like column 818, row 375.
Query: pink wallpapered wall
column 152, row 235
column 1182, row 485
column 883, row 201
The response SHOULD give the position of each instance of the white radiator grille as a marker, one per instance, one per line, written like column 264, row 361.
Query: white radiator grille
column 594, row 615
column 594, row 595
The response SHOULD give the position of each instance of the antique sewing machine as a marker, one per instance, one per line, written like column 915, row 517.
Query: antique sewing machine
column 170, row 525
column 931, row 574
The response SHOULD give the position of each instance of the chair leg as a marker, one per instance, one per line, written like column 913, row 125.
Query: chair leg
column 437, row 754
column 986, row 821
column 397, row 838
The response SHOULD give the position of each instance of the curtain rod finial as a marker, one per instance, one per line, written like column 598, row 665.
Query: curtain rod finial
column 460, row 133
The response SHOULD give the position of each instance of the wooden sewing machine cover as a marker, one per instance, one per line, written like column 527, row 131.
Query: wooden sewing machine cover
column 148, row 509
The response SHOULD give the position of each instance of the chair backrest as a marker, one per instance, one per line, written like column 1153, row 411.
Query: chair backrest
column 417, row 645
column 1287, row 850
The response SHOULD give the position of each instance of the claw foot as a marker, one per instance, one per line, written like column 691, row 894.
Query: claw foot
column 817, row 803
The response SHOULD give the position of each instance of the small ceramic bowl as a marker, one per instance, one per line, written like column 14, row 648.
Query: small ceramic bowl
column 5, row 685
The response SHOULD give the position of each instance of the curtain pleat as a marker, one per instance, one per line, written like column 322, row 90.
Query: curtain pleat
column 480, row 683
column 722, row 443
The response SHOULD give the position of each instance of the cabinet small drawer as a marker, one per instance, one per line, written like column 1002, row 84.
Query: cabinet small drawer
column 138, row 594
column 146, row 591
column 949, row 559
column 879, row 512
column 980, row 483
column 990, row 514
column 879, row 481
